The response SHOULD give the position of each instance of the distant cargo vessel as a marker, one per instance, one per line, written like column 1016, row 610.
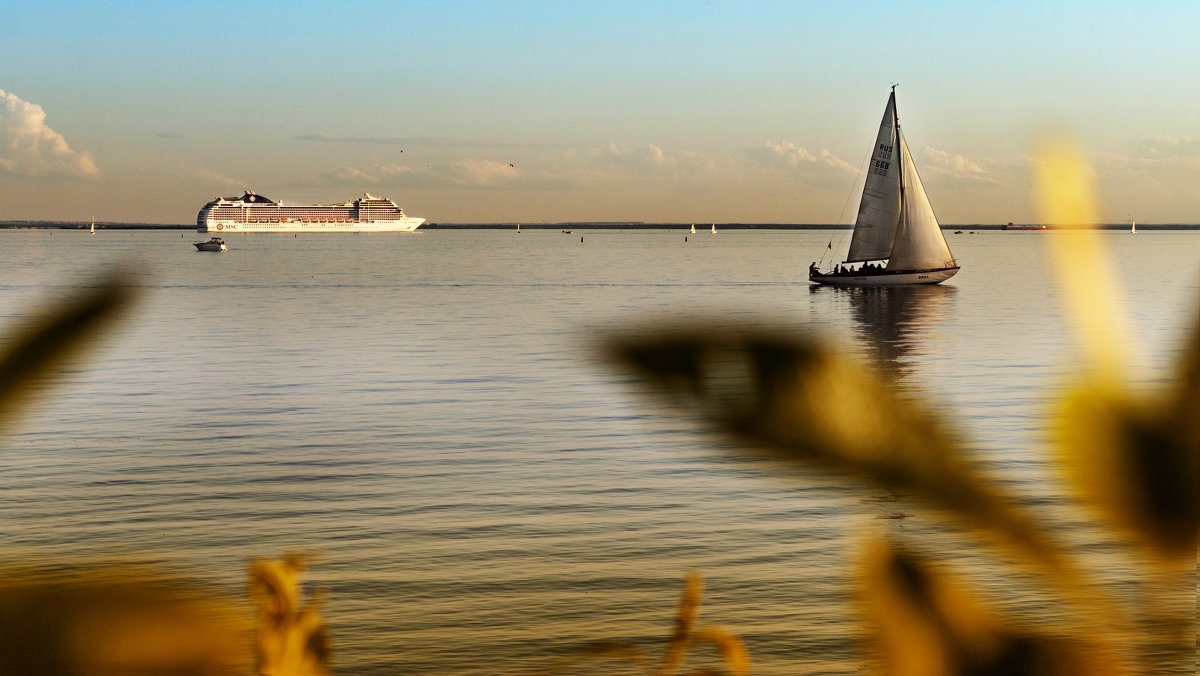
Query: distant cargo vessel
column 1010, row 226
column 255, row 213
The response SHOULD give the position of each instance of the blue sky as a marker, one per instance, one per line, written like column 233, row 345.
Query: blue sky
column 667, row 111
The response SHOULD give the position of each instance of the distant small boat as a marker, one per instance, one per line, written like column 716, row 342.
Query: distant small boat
column 214, row 244
column 693, row 228
column 518, row 228
column 1133, row 227
column 93, row 226
column 714, row 230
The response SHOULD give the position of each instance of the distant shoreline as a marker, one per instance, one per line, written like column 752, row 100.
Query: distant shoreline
column 700, row 227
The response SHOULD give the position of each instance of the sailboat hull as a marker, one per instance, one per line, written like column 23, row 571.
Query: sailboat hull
column 886, row 278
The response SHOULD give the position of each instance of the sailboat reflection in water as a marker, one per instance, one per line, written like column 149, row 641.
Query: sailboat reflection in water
column 896, row 237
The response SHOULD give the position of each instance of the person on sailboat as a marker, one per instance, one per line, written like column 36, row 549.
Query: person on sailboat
column 812, row 269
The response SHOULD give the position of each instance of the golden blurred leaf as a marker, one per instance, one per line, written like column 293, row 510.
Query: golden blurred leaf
column 806, row 403
column 730, row 647
column 1065, row 192
column 1140, row 463
column 924, row 624
column 1183, row 419
column 685, row 620
column 292, row 640
column 685, row 636
column 54, row 339
column 115, row 622
column 1137, row 460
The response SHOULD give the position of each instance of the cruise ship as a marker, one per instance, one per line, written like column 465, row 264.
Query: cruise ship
column 255, row 213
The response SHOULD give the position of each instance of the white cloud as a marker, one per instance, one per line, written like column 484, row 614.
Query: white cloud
column 350, row 175
column 620, row 161
column 28, row 147
column 787, row 155
column 418, row 141
column 949, row 164
column 212, row 178
column 1164, row 147
column 476, row 172
column 465, row 173
column 394, row 169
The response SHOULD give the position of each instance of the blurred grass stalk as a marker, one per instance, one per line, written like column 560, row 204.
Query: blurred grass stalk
column 55, row 340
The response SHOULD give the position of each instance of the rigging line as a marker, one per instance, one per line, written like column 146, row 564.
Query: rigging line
column 827, row 251
column 861, row 173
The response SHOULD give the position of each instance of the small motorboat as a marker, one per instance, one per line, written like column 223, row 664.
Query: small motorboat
column 214, row 244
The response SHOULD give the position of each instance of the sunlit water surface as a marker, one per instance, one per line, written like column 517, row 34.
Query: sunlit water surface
column 426, row 413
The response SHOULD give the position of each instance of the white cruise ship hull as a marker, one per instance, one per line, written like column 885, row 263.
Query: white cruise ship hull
column 408, row 224
column 255, row 213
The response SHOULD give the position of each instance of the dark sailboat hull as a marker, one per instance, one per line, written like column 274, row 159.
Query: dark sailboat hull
column 886, row 277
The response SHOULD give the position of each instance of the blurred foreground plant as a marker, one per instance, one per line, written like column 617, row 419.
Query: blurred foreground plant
column 801, row 401
column 122, row 620
column 114, row 620
column 98, row 619
column 292, row 641
column 53, row 341
column 686, row 636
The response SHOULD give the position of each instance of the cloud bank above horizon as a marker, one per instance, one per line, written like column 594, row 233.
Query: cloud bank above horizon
column 28, row 147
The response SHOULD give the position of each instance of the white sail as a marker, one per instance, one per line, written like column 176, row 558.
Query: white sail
column 919, row 243
column 879, row 209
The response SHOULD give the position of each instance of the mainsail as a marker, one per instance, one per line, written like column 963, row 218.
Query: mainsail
column 879, row 210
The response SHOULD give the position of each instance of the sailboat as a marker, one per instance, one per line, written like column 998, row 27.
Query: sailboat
column 93, row 226
column 896, row 237
column 1133, row 227
column 693, row 228
column 714, row 230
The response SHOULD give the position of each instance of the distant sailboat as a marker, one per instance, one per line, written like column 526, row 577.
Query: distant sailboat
column 693, row 228
column 93, row 225
column 518, row 228
column 895, row 222
column 714, row 230
column 1133, row 227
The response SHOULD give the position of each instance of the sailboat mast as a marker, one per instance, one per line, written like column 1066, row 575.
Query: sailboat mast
column 899, row 144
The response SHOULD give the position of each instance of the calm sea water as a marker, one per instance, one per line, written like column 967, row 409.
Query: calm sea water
column 425, row 413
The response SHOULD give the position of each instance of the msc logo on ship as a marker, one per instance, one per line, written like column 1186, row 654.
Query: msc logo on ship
column 219, row 226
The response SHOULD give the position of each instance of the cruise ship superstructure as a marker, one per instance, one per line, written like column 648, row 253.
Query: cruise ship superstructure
column 255, row 213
